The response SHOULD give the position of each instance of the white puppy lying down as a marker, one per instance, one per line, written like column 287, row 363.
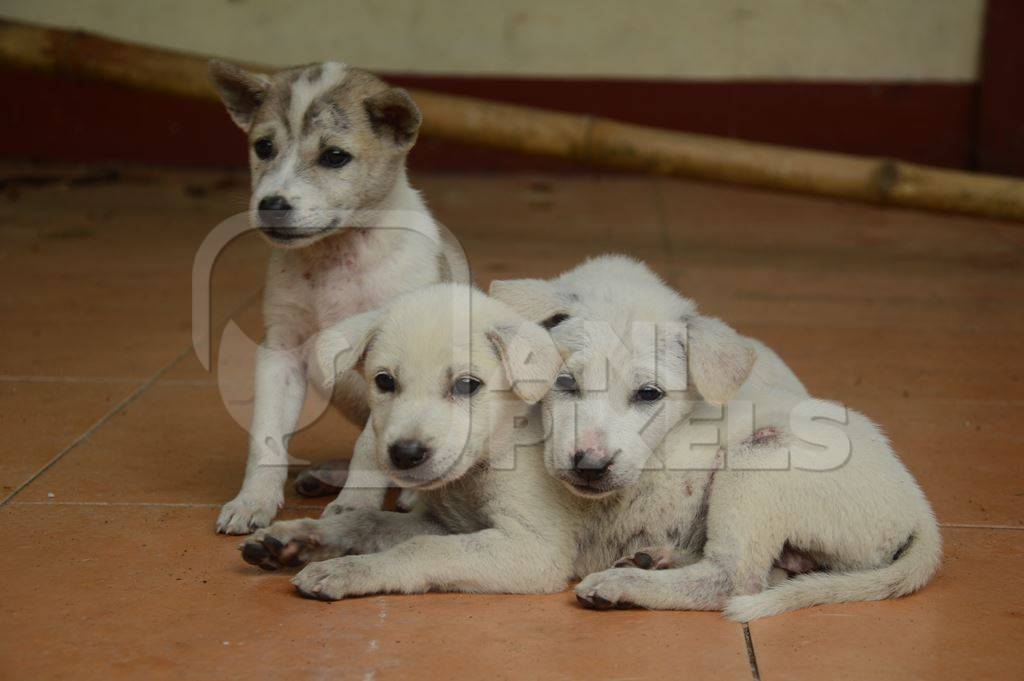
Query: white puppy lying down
column 782, row 490
column 443, row 419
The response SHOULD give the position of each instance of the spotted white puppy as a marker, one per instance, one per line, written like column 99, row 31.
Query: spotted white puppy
column 328, row 145
column 651, row 390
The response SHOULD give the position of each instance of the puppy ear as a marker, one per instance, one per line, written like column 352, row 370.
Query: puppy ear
column 342, row 347
column 394, row 116
column 535, row 299
column 718, row 359
column 529, row 357
column 241, row 91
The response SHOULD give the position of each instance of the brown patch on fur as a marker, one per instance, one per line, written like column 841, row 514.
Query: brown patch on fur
column 394, row 114
column 314, row 72
column 279, row 100
column 443, row 270
column 323, row 115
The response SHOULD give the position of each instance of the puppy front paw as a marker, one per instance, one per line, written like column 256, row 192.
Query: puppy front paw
column 322, row 479
column 608, row 589
column 286, row 543
column 651, row 558
column 332, row 580
column 248, row 512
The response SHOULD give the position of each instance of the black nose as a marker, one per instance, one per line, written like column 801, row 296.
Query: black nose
column 590, row 466
column 408, row 453
column 274, row 202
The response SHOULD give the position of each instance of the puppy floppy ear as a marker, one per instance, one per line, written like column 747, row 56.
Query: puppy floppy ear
column 394, row 116
column 241, row 91
column 529, row 357
column 535, row 299
column 719, row 360
column 342, row 347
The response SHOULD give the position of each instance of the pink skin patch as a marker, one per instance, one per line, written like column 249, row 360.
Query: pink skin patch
column 795, row 561
column 591, row 439
column 763, row 436
column 754, row 586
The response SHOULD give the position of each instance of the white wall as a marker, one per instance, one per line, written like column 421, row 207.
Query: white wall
column 935, row 40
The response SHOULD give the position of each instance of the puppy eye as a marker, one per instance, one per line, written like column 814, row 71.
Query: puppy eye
column 554, row 320
column 264, row 148
column 333, row 157
column 466, row 386
column 385, row 382
column 566, row 383
column 648, row 393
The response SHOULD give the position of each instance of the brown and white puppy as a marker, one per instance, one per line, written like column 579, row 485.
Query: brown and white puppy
column 328, row 145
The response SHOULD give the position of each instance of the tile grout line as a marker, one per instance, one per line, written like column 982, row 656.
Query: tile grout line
column 149, row 504
column 972, row 526
column 117, row 409
column 100, row 380
column 14, row 378
column 751, row 655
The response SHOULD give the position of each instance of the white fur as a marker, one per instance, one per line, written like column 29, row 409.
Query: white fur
column 489, row 518
column 493, row 516
column 850, row 505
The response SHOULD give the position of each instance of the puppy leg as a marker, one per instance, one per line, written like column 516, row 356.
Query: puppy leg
column 291, row 543
column 365, row 485
column 658, row 558
column 322, row 479
column 732, row 564
column 490, row 561
column 705, row 585
column 280, row 391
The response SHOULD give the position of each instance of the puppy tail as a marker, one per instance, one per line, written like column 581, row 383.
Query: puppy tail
column 907, row 573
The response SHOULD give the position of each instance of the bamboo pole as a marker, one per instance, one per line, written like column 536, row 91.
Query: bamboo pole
column 587, row 139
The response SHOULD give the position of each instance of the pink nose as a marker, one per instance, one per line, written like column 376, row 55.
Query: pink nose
column 591, row 438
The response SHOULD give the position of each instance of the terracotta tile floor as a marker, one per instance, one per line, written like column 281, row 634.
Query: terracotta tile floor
column 120, row 445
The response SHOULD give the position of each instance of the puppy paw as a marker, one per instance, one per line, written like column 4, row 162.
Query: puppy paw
column 651, row 558
column 355, row 500
column 607, row 589
column 248, row 512
column 322, row 479
column 332, row 580
column 286, row 543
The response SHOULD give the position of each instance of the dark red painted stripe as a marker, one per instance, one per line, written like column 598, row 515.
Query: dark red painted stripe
column 1001, row 90
column 51, row 118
